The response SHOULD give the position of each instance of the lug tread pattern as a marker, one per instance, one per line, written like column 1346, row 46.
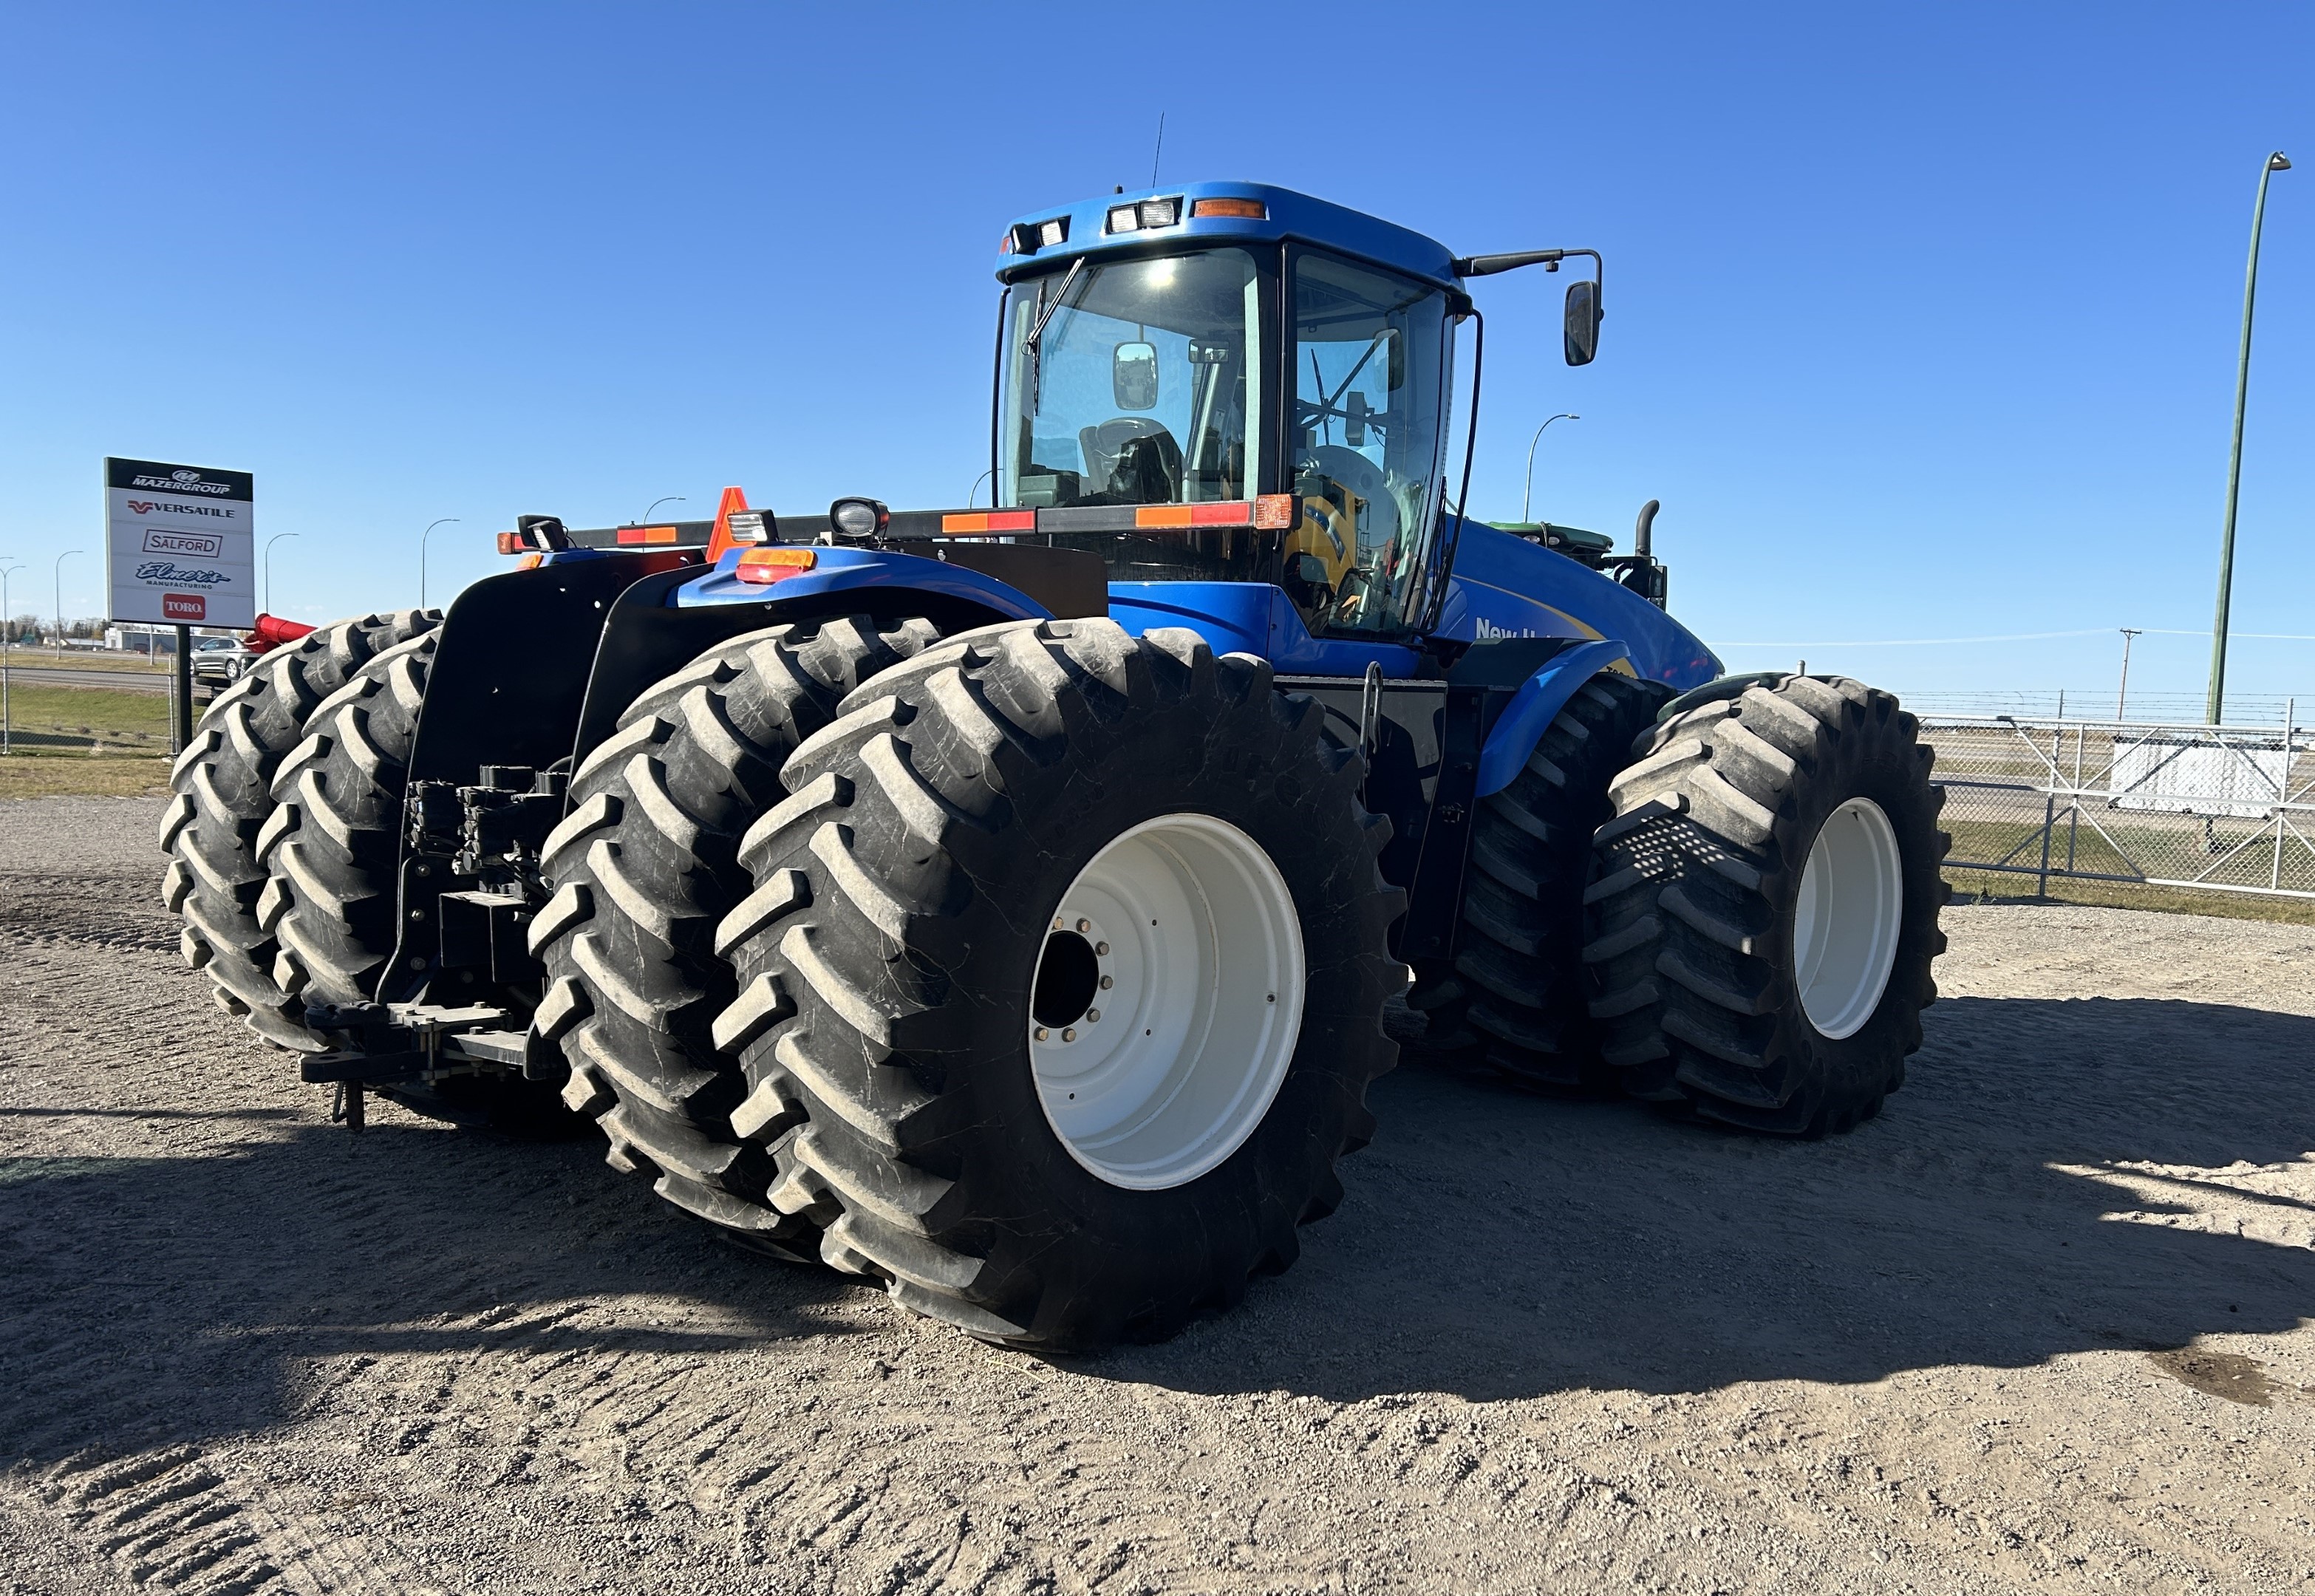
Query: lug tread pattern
column 1515, row 997
column 645, row 869
column 218, row 827
column 902, row 818
column 1688, row 970
column 334, row 853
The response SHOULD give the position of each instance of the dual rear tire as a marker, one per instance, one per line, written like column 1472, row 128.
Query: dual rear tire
column 1038, row 979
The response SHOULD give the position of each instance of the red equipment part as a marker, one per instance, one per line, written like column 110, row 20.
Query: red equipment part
column 271, row 631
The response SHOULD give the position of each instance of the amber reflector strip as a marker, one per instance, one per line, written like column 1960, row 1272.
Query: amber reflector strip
column 1253, row 210
column 764, row 566
column 1236, row 513
column 646, row 535
column 1274, row 512
column 530, row 562
column 983, row 524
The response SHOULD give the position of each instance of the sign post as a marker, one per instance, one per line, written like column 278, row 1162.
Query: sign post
column 180, row 550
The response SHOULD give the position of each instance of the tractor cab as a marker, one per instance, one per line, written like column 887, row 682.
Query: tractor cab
column 1195, row 351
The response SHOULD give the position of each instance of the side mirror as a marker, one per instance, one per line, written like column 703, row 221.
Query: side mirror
column 1133, row 376
column 1582, row 326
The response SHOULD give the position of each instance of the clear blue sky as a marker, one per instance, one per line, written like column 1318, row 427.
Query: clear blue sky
column 1921, row 319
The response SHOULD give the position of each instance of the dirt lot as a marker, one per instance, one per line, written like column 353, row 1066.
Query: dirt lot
column 2043, row 1326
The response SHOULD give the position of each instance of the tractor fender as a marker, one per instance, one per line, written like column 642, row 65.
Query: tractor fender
column 664, row 622
column 1537, row 704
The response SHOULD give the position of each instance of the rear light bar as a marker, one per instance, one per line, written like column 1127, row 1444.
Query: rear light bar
column 635, row 535
column 1273, row 512
column 1252, row 210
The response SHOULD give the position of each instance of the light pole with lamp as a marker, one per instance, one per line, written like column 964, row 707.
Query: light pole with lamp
column 1529, row 486
column 278, row 537
column 2277, row 162
column 664, row 499
column 7, row 718
column 68, row 555
column 423, row 537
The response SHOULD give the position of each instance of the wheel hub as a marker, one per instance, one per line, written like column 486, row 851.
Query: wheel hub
column 1847, row 918
column 1167, row 1001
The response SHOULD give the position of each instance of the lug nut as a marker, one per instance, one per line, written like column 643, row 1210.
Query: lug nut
column 1108, row 981
column 1040, row 1034
column 1085, row 925
column 1093, row 1015
column 1101, row 950
column 1069, row 1035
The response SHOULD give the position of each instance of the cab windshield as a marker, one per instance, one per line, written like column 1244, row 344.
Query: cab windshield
column 1143, row 386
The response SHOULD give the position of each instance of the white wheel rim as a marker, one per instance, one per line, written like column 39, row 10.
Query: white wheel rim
column 1154, row 1078
column 1845, row 923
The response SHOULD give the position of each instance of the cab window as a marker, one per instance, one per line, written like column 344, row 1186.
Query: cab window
column 1370, row 355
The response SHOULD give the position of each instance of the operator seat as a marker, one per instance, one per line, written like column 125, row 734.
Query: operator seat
column 1136, row 460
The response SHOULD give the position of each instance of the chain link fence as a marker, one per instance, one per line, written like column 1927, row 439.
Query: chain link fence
column 2223, row 809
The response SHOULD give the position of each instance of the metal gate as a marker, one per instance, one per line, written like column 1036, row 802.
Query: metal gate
column 2226, row 808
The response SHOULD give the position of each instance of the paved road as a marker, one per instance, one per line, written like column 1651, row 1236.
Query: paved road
column 67, row 676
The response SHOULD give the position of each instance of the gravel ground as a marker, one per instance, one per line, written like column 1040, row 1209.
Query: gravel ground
column 2043, row 1326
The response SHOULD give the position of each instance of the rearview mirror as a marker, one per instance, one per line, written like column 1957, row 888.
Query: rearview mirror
column 1133, row 376
column 1582, row 327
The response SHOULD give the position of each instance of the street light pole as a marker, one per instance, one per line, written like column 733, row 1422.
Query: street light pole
column 664, row 499
column 68, row 555
column 7, row 715
column 2277, row 162
column 423, row 537
column 278, row 537
column 1529, row 486
column 2122, row 694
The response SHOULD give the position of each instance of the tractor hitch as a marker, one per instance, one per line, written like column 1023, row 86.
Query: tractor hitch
column 378, row 1046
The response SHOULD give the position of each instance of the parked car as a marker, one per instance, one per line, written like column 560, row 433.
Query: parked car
column 218, row 662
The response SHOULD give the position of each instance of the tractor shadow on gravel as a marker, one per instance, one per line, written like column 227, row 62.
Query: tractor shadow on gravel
column 153, row 1301
column 1491, row 1246
column 2056, row 1176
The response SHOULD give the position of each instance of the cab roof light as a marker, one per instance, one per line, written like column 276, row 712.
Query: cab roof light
column 1028, row 237
column 1144, row 213
column 1252, row 210
column 761, row 567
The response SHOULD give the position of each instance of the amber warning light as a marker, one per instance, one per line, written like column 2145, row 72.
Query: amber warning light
column 764, row 566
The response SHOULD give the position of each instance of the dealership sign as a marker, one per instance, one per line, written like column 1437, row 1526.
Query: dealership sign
column 178, row 547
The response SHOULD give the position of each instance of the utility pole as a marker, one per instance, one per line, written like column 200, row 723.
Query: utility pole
column 2277, row 162
column 2122, row 694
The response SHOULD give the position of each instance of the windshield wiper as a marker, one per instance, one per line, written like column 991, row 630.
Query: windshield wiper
column 1061, row 294
column 1044, row 315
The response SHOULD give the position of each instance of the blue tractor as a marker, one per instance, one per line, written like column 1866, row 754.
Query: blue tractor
column 1004, row 904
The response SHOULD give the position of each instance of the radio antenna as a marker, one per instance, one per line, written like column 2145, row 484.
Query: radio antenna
column 1159, row 151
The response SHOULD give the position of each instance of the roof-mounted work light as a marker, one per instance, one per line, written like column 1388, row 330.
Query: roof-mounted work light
column 1027, row 238
column 1145, row 214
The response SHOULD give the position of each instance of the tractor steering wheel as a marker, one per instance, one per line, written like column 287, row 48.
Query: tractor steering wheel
column 1368, row 480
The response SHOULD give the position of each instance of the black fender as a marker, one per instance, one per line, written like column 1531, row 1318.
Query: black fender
column 650, row 637
column 513, row 661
